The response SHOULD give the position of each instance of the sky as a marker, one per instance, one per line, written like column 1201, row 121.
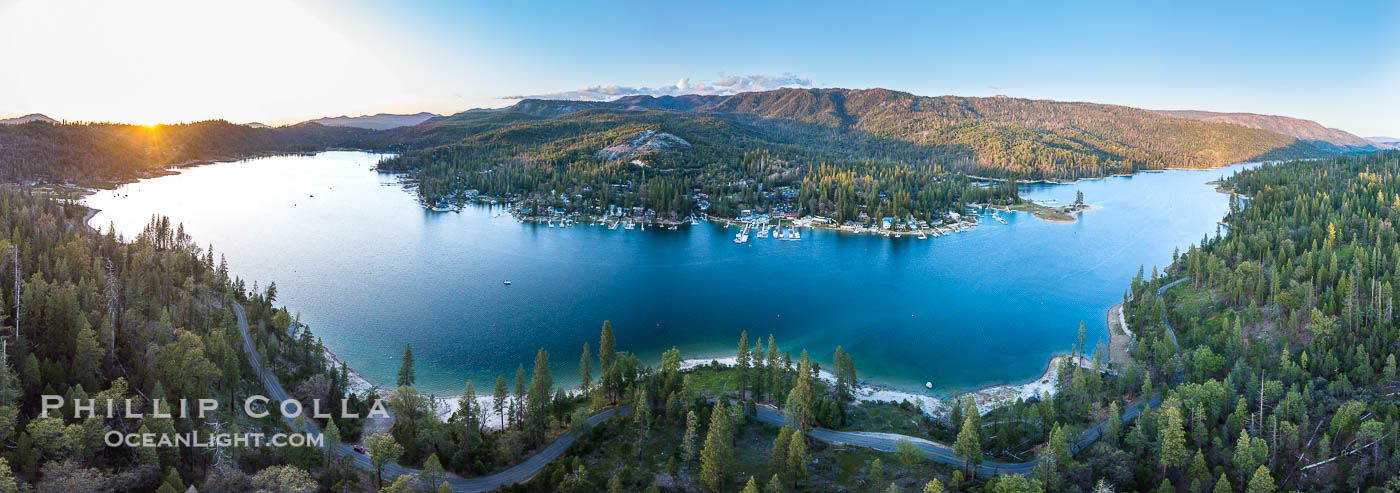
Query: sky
column 277, row 62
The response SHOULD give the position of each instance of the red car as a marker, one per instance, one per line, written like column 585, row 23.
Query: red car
column 359, row 449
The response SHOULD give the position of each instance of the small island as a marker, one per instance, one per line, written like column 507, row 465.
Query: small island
column 1055, row 214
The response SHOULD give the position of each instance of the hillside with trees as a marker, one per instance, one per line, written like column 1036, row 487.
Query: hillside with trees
column 1270, row 365
column 1281, row 351
column 845, row 149
column 92, row 153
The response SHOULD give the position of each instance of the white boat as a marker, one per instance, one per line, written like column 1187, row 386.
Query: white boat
column 507, row 283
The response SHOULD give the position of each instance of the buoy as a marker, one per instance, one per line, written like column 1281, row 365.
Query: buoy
column 928, row 385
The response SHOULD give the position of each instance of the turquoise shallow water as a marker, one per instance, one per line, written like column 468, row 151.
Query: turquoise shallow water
column 370, row 270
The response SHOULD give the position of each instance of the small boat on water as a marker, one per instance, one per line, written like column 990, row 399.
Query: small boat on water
column 507, row 283
column 928, row 385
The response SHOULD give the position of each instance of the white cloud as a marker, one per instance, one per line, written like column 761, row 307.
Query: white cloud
column 722, row 85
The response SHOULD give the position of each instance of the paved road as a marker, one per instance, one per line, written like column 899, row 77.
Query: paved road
column 942, row 453
column 516, row 474
column 1166, row 323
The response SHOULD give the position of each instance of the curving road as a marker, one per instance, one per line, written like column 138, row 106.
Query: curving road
column 1166, row 323
column 518, row 473
column 942, row 453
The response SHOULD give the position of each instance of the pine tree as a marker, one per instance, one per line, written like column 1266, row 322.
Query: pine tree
column 777, row 457
column 1173, row 438
column 406, row 378
column 775, row 485
column 539, row 399
column 332, row 437
column 751, row 487
column 517, row 404
column 641, row 417
column 469, row 413
column 742, row 361
column 877, row 474
column 1222, row 485
column 688, row 442
column 1115, row 424
column 433, row 473
column 1059, row 448
column 845, row 374
column 718, row 451
column 797, row 462
column 172, row 478
column 585, row 370
column 498, row 399
column 1199, row 473
column 607, row 347
column 799, row 402
column 1244, row 457
column 775, row 373
column 968, row 443
column 1261, row 482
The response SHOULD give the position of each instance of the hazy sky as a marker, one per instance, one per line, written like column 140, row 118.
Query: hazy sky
column 284, row 61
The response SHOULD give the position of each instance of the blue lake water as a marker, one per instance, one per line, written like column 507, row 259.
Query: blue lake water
column 371, row 270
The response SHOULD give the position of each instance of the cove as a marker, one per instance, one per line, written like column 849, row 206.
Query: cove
column 369, row 269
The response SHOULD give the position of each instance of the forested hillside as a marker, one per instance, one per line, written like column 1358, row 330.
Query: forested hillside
column 870, row 143
column 145, row 320
column 847, row 154
column 1306, row 130
column 1283, row 360
column 87, row 153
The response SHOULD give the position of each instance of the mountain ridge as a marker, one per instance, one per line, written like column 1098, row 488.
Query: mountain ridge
column 32, row 117
column 1302, row 129
column 378, row 121
column 1013, row 135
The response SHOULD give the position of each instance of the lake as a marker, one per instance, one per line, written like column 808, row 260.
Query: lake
column 370, row 270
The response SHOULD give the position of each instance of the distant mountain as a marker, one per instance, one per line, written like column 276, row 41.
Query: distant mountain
column 258, row 125
column 32, row 117
column 1393, row 142
column 382, row 121
column 998, row 136
column 1305, row 130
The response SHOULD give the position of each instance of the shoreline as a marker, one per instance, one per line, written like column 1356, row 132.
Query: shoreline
column 1054, row 181
column 988, row 397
